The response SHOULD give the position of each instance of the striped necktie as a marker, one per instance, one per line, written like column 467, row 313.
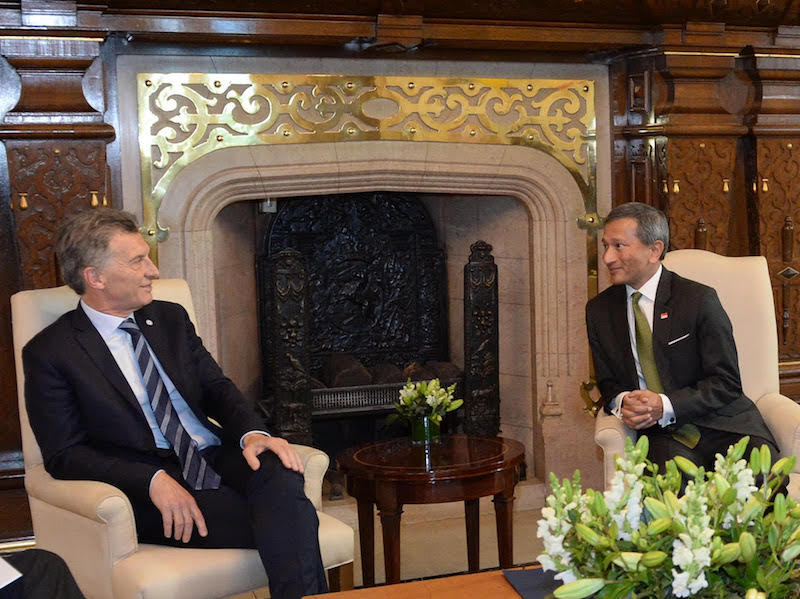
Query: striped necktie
column 196, row 471
column 687, row 434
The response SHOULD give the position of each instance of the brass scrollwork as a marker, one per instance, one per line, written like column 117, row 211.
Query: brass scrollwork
column 184, row 116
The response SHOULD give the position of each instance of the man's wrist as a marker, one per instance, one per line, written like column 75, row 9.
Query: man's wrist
column 667, row 412
column 257, row 432
column 152, row 478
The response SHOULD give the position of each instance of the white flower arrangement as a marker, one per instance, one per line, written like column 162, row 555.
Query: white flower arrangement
column 724, row 537
column 427, row 398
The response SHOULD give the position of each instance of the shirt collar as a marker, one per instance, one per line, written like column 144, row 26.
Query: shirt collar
column 650, row 288
column 106, row 324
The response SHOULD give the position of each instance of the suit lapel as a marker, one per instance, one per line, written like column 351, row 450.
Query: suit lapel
column 621, row 331
column 662, row 321
column 91, row 341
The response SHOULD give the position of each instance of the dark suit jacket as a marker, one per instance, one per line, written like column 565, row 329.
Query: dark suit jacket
column 87, row 420
column 694, row 352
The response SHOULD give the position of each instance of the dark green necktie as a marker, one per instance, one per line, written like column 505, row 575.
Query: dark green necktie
column 687, row 434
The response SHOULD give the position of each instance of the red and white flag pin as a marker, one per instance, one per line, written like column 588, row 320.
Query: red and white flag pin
column 664, row 315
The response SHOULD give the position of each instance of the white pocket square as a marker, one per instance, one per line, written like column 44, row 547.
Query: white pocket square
column 674, row 341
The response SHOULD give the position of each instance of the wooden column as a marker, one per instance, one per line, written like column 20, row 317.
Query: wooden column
column 685, row 119
column 55, row 141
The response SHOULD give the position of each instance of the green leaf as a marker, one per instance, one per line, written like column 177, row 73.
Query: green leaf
column 779, row 509
column 791, row 552
column 772, row 536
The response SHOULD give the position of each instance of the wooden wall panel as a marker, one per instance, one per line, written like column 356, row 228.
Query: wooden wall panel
column 777, row 192
column 700, row 183
column 51, row 179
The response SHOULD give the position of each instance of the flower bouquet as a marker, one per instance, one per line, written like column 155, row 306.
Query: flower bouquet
column 423, row 404
column 723, row 538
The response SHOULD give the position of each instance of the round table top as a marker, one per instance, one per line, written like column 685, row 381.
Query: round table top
column 453, row 457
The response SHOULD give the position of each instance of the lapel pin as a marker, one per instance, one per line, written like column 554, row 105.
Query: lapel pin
column 664, row 315
column 149, row 322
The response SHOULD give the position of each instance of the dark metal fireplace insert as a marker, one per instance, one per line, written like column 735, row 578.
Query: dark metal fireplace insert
column 360, row 280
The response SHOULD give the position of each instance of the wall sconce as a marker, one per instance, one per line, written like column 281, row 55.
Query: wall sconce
column 676, row 186
column 725, row 186
column 765, row 185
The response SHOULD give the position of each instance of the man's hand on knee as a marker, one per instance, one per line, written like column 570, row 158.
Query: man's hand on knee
column 178, row 508
column 256, row 444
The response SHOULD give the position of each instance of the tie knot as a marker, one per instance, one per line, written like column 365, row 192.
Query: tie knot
column 636, row 296
column 129, row 326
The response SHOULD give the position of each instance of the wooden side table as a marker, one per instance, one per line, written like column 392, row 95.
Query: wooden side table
column 392, row 473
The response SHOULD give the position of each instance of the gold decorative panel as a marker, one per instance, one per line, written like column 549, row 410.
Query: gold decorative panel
column 183, row 116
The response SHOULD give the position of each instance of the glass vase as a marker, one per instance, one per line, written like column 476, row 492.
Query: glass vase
column 424, row 430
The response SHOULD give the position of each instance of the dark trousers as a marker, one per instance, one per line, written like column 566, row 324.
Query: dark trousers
column 265, row 509
column 44, row 576
column 663, row 447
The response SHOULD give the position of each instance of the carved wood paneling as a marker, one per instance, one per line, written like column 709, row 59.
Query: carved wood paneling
column 699, row 173
column 50, row 180
column 777, row 189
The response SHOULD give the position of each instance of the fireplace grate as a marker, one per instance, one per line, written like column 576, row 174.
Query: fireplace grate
column 360, row 399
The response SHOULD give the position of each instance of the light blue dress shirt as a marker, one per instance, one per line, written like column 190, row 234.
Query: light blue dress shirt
column 120, row 344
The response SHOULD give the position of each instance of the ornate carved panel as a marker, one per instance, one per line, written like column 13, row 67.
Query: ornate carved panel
column 51, row 180
column 777, row 188
column 481, row 343
column 376, row 277
column 287, row 337
column 700, row 175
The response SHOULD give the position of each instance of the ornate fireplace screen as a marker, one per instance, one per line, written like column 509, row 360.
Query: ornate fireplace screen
column 362, row 275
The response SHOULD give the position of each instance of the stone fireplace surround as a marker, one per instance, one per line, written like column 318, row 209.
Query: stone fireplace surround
column 212, row 201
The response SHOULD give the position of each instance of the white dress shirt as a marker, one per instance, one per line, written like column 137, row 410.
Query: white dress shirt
column 647, row 305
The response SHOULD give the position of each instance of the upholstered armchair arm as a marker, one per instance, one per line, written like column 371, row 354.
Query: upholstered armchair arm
column 609, row 434
column 315, row 463
column 89, row 519
column 782, row 416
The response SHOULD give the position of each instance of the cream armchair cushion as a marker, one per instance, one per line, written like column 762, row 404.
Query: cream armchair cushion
column 91, row 525
column 744, row 289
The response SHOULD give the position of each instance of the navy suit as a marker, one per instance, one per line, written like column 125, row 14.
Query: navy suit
column 89, row 425
column 694, row 351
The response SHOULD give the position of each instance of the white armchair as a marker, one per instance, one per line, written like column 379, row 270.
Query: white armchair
column 91, row 525
column 744, row 288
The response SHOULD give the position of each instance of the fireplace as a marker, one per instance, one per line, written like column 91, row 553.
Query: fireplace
column 525, row 196
column 499, row 193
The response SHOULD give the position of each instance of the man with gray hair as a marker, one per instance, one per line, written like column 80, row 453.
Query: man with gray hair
column 663, row 349
column 121, row 390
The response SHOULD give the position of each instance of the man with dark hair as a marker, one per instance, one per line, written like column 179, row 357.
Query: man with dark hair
column 121, row 390
column 663, row 349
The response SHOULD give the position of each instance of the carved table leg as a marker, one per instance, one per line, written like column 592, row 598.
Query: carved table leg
column 503, row 504
column 366, row 537
column 472, row 518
